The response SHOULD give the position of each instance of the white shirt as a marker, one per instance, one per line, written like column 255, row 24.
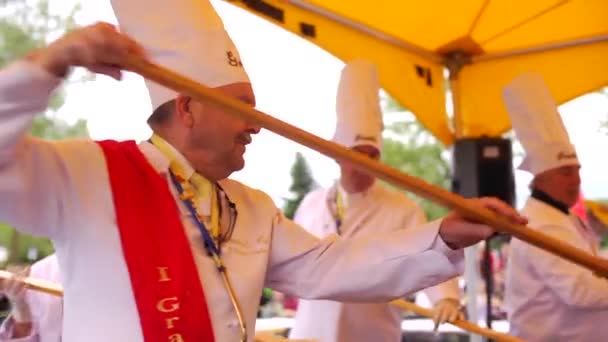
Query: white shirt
column 61, row 190
column 549, row 298
column 377, row 211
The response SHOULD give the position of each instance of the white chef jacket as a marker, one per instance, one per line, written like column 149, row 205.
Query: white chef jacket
column 376, row 211
column 547, row 297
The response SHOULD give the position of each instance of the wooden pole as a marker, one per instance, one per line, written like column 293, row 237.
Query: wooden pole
column 184, row 85
column 463, row 324
column 56, row 289
column 41, row 285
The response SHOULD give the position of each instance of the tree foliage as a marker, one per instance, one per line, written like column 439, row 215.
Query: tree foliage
column 409, row 147
column 26, row 25
column 302, row 183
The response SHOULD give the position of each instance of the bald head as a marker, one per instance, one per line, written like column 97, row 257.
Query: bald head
column 161, row 114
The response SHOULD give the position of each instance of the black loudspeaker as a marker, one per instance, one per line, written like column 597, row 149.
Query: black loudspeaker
column 484, row 167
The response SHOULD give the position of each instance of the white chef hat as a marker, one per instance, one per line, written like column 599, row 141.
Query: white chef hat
column 186, row 36
column 359, row 118
column 538, row 125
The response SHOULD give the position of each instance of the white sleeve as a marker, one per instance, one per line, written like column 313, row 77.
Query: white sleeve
column 371, row 268
column 25, row 90
column 448, row 289
column 575, row 285
column 34, row 174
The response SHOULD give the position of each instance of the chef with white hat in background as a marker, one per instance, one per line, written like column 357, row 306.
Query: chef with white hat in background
column 358, row 205
column 549, row 298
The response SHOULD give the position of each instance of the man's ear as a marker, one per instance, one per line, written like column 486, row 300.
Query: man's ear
column 182, row 109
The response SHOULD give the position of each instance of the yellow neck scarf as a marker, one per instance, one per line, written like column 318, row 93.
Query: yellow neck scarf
column 203, row 188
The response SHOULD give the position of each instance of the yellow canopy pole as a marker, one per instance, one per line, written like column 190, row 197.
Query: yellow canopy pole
column 235, row 107
column 463, row 324
column 456, row 110
column 456, row 103
column 454, row 63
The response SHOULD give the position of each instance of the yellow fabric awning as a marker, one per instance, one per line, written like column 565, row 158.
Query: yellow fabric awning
column 485, row 43
column 599, row 210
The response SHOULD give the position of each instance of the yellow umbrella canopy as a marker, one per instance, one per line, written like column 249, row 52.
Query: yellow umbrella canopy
column 482, row 43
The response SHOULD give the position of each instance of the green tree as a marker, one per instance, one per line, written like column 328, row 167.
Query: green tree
column 302, row 183
column 52, row 128
column 409, row 147
column 25, row 26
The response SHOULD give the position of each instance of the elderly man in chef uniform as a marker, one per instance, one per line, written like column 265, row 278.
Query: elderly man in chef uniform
column 153, row 240
column 549, row 298
column 358, row 205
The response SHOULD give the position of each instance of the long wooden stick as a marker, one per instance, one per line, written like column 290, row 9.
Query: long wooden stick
column 463, row 324
column 269, row 337
column 56, row 289
column 41, row 285
column 235, row 107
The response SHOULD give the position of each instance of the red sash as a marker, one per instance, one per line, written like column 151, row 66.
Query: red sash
column 164, row 279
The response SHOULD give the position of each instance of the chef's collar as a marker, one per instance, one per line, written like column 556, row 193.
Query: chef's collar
column 547, row 199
